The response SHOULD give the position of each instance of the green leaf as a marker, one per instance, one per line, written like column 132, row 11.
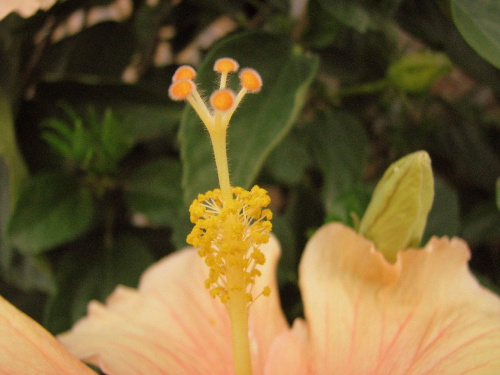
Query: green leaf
column 62, row 128
column 288, row 161
column 83, row 146
column 322, row 27
column 58, row 144
column 27, row 273
column 154, row 190
column 351, row 13
column 52, row 209
column 339, row 146
column 115, row 140
column 9, row 149
column 479, row 23
column 261, row 121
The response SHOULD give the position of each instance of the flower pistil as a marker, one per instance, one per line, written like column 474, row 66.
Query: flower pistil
column 230, row 223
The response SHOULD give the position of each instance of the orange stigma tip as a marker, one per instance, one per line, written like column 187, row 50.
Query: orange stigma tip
column 226, row 65
column 222, row 100
column 180, row 90
column 184, row 72
column 250, row 79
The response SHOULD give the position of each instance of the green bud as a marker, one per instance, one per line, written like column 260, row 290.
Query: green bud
column 415, row 73
column 397, row 214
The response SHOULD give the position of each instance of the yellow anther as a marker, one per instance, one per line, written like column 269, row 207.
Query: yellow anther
column 228, row 235
column 184, row 72
column 180, row 90
column 266, row 292
column 226, row 65
column 222, row 100
column 250, row 79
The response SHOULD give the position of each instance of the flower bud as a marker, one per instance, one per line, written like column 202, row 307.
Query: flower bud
column 415, row 73
column 397, row 214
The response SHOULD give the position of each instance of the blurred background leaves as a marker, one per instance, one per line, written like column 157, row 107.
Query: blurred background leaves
column 98, row 166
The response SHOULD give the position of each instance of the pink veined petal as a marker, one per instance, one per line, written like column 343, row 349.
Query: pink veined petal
column 171, row 325
column 25, row 8
column 27, row 348
column 289, row 352
column 267, row 319
column 426, row 314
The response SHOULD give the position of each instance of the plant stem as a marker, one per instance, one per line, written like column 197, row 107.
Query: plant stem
column 367, row 88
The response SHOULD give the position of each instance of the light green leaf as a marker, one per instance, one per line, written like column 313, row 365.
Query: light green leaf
column 52, row 209
column 262, row 119
column 479, row 23
column 154, row 190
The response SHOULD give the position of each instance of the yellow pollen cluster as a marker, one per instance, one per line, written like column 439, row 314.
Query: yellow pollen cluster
column 226, row 65
column 222, row 100
column 228, row 236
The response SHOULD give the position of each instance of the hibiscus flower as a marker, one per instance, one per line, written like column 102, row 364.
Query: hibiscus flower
column 424, row 314
column 394, row 311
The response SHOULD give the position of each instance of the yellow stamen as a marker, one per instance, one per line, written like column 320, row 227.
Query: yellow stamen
column 228, row 235
column 230, row 223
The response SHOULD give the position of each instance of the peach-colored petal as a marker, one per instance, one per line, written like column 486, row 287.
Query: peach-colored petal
column 289, row 352
column 25, row 8
column 426, row 314
column 27, row 348
column 171, row 325
column 266, row 316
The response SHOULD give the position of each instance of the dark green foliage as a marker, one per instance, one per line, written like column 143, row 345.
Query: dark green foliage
column 52, row 209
